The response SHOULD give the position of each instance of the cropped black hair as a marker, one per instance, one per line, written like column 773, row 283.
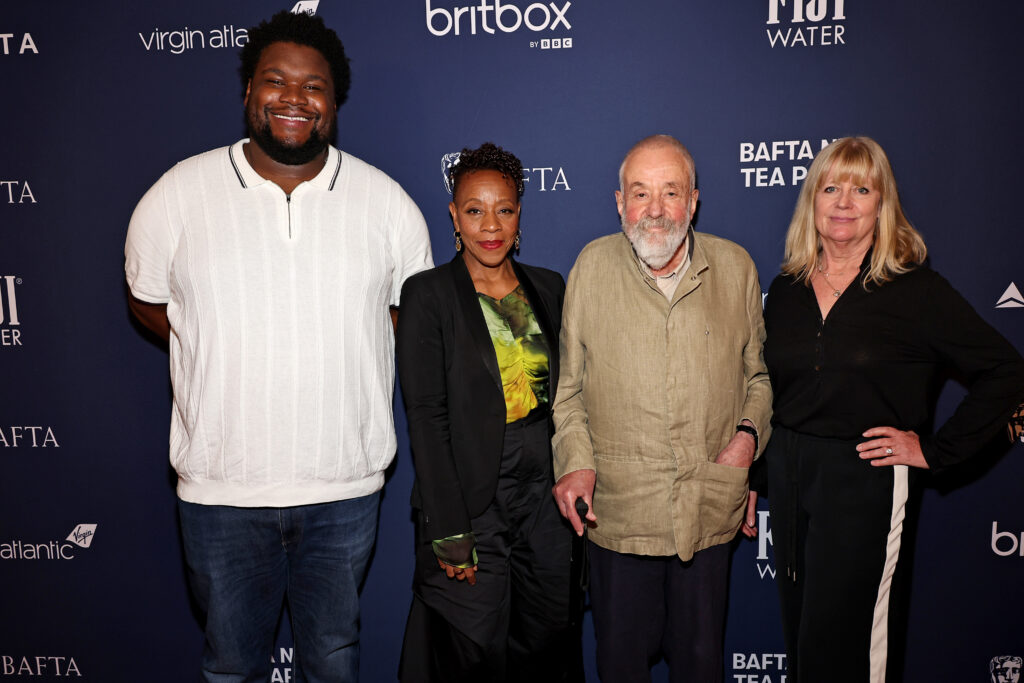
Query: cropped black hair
column 488, row 157
column 302, row 29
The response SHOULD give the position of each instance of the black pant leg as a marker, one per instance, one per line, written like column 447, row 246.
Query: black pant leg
column 695, row 615
column 543, row 644
column 844, row 535
column 627, row 601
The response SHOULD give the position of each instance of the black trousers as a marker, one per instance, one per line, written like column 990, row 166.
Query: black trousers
column 645, row 608
column 514, row 624
column 837, row 531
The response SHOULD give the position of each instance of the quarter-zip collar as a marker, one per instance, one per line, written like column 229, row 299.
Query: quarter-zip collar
column 248, row 177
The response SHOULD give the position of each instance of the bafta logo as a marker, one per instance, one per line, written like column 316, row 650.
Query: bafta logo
column 1005, row 669
column 1015, row 427
column 447, row 161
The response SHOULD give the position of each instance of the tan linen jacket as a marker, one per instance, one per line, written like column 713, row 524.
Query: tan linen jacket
column 650, row 391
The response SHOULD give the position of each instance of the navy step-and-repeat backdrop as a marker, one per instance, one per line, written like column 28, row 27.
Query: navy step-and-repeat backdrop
column 101, row 98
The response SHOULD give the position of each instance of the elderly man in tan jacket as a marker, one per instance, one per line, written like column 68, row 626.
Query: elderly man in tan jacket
column 663, row 404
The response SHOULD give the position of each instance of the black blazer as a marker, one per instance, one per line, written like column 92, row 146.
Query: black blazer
column 452, row 388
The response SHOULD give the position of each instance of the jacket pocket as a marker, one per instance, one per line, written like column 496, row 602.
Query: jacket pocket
column 723, row 499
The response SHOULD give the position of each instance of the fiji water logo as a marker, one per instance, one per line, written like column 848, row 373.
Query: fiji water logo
column 806, row 23
column 10, row 323
column 765, row 567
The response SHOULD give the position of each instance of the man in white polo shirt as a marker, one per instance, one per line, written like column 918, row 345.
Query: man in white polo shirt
column 270, row 267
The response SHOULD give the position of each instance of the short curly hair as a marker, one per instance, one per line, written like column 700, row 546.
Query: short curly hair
column 302, row 29
column 488, row 157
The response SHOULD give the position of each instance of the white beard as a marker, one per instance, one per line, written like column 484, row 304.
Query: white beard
column 655, row 249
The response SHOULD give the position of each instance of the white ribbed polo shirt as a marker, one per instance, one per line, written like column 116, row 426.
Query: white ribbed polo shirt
column 281, row 348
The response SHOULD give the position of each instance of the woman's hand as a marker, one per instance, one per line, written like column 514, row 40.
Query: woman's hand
column 462, row 574
column 892, row 447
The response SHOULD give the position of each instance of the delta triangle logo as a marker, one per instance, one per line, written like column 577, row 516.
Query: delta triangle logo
column 1011, row 298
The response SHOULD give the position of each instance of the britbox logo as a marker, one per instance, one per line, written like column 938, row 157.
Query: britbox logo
column 1007, row 543
column 494, row 15
column 788, row 23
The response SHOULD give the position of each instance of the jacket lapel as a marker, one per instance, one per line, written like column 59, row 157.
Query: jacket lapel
column 466, row 298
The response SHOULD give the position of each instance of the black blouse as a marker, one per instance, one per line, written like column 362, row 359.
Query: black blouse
column 875, row 361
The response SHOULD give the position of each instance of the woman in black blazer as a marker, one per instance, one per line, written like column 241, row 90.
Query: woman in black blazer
column 478, row 361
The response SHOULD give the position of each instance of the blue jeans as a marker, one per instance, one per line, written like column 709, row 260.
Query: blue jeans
column 244, row 562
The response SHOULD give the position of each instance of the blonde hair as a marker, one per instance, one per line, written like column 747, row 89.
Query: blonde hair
column 897, row 246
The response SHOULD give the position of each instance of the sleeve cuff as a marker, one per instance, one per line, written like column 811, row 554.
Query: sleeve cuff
column 459, row 551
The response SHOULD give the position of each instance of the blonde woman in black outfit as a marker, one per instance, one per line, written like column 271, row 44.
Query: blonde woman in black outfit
column 858, row 331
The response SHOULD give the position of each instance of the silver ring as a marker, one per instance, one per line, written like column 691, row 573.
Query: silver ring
column 888, row 451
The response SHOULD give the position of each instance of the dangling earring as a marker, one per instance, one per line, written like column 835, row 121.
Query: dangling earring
column 517, row 242
column 458, row 241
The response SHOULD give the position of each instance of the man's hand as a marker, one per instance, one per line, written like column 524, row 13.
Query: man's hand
column 577, row 484
column 739, row 452
column 749, row 527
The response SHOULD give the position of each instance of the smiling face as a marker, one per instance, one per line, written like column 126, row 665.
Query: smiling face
column 846, row 211
column 656, row 203
column 485, row 211
column 289, row 104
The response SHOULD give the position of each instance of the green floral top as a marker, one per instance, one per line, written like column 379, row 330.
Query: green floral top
column 522, row 352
